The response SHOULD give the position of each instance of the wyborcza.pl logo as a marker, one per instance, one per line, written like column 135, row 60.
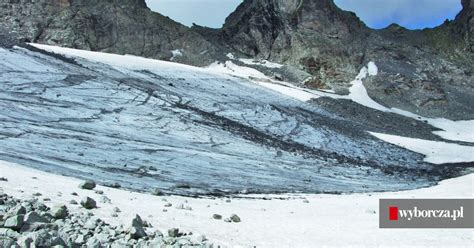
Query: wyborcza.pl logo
column 426, row 213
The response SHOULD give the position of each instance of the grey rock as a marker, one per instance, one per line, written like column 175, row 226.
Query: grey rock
column 80, row 239
column 44, row 238
column 14, row 222
column 7, row 242
column 40, row 206
column 17, row 210
column 25, row 242
column 235, row 218
column 217, row 216
column 34, row 217
column 73, row 202
column 158, row 192
column 136, row 230
column 105, row 199
column 92, row 224
column 93, row 243
column 88, row 203
column 117, row 210
column 33, row 227
column 59, row 211
column 173, row 232
column 6, row 232
column 88, row 184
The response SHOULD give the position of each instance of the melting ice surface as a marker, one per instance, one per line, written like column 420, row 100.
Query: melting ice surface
column 435, row 152
column 151, row 124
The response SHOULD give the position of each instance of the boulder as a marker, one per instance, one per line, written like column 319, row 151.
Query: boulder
column 136, row 230
column 7, row 242
column 173, row 232
column 14, row 222
column 34, row 217
column 59, row 212
column 235, row 218
column 88, row 184
column 88, row 203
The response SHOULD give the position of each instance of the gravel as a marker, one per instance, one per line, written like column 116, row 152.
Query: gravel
column 38, row 226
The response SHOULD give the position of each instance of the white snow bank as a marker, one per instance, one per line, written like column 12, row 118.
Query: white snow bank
column 327, row 220
column 435, row 152
column 287, row 91
column 124, row 62
column 239, row 71
column 372, row 69
column 176, row 53
column 452, row 130
column 264, row 63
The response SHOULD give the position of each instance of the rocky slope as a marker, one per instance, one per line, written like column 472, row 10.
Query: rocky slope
column 427, row 71
column 124, row 27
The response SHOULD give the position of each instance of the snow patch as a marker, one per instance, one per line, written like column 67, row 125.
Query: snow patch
column 436, row 152
column 265, row 223
column 230, row 56
column 176, row 53
column 264, row 63
column 239, row 71
column 372, row 69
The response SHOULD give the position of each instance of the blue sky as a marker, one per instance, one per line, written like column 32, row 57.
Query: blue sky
column 413, row 14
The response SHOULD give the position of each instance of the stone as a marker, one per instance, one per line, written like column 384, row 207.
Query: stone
column 14, row 222
column 44, row 238
column 34, row 217
column 136, row 230
column 24, row 241
column 235, row 218
column 9, row 233
column 113, row 185
column 93, row 243
column 59, row 212
column 88, row 185
column 7, row 242
column 173, row 232
column 88, row 203
column 158, row 192
column 73, row 202
column 92, row 223
column 105, row 199
column 18, row 210
column 217, row 216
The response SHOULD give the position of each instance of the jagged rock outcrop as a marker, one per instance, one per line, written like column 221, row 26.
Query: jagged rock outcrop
column 426, row 71
column 115, row 26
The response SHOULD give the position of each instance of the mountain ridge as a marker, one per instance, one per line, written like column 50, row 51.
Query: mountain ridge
column 322, row 47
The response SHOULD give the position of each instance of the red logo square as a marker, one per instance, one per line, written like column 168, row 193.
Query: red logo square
column 393, row 213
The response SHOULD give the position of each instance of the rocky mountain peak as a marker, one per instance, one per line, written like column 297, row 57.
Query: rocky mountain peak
column 272, row 20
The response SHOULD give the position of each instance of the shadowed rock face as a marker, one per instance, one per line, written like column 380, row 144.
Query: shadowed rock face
column 124, row 27
column 429, row 70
